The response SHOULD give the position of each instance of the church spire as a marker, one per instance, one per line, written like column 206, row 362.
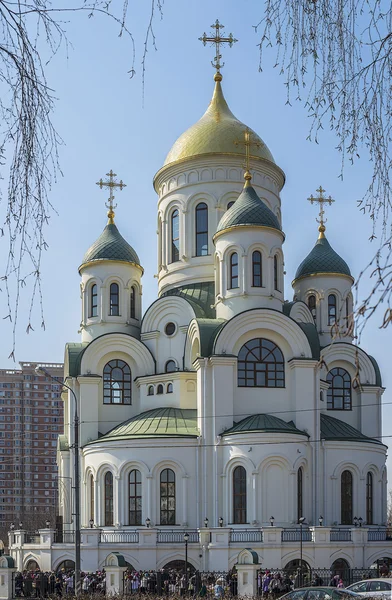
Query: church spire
column 321, row 200
column 111, row 184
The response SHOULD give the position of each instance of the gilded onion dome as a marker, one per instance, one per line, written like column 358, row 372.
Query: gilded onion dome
column 322, row 260
column 217, row 132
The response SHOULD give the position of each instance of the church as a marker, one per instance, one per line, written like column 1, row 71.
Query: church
column 223, row 410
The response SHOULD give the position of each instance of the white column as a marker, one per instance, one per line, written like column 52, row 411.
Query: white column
column 184, row 499
column 245, row 283
column 148, row 509
column 97, row 504
column 116, row 501
column 165, row 237
column 253, row 503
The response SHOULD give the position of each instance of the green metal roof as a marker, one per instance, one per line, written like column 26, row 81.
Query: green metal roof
column 335, row 429
column 74, row 352
column 10, row 561
column 158, row 422
column 322, row 259
column 248, row 210
column 377, row 370
column 265, row 423
column 111, row 246
column 313, row 338
column 209, row 329
column 201, row 296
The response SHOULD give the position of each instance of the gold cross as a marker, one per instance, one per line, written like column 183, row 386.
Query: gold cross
column 321, row 200
column 111, row 184
column 218, row 40
column 248, row 143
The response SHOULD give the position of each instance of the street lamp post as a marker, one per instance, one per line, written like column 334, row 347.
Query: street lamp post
column 42, row 371
column 186, row 540
column 301, row 521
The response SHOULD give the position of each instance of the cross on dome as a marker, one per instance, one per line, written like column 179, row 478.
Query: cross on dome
column 111, row 184
column 248, row 143
column 217, row 39
column 321, row 200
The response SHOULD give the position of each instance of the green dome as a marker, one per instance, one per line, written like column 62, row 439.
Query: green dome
column 248, row 210
column 322, row 259
column 265, row 423
column 158, row 422
column 111, row 246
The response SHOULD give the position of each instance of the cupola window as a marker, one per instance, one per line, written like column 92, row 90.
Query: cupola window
column 116, row 383
column 201, row 229
column 160, row 389
column 168, row 497
column 150, row 390
column 175, row 236
column 114, row 300
column 260, row 364
column 339, row 391
column 169, row 389
column 133, row 303
column 233, row 275
column 230, row 204
column 239, row 495
column 312, row 305
column 331, row 309
column 94, row 300
column 170, row 366
column 135, row 497
column 257, row 269
column 276, row 273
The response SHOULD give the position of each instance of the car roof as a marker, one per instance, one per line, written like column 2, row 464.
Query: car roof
column 389, row 579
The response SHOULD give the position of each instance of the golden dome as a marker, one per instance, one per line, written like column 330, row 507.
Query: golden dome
column 216, row 133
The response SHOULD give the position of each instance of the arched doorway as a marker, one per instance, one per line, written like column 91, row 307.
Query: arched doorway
column 300, row 571
column 382, row 565
column 179, row 566
column 32, row 565
column 341, row 567
column 66, row 565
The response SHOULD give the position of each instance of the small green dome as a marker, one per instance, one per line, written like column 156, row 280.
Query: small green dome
column 111, row 246
column 158, row 422
column 322, row 259
column 248, row 210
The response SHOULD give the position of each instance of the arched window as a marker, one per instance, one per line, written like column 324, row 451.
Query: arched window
column 150, row 390
column 312, row 305
column 168, row 497
column 108, row 498
column 239, row 495
column 160, row 389
column 331, row 309
column 233, row 275
column 339, row 391
column 116, row 383
column 175, row 236
column 201, row 229
column 300, row 493
column 92, row 507
column 135, row 497
column 260, row 364
column 369, row 499
column 276, row 274
column 169, row 389
column 114, row 300
column 94, row 301
column 257, row 272
column 346, row 498
column 170, row 366
column 133, row 303
column 230, row 204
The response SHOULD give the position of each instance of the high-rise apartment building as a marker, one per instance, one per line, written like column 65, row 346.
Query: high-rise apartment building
column 31, row 418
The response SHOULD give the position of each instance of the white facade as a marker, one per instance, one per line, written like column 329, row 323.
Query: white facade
column 285, row 427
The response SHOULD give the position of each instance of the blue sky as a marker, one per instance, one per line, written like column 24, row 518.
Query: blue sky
column 101, row 117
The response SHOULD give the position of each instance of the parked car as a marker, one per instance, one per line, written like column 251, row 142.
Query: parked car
column 371, row 588
column 321, row 593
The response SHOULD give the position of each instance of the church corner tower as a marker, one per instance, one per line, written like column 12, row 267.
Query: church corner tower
column 111, row 280
column 323, row 281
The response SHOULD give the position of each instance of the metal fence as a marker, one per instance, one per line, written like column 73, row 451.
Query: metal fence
column 119, row 537
column 294, row 535
column 174, row 536
column 340, row 535
column 246, row 535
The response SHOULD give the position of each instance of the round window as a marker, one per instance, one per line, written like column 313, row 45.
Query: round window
column 170, row 329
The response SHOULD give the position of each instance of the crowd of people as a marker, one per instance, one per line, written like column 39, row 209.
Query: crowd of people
column 44, row 584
